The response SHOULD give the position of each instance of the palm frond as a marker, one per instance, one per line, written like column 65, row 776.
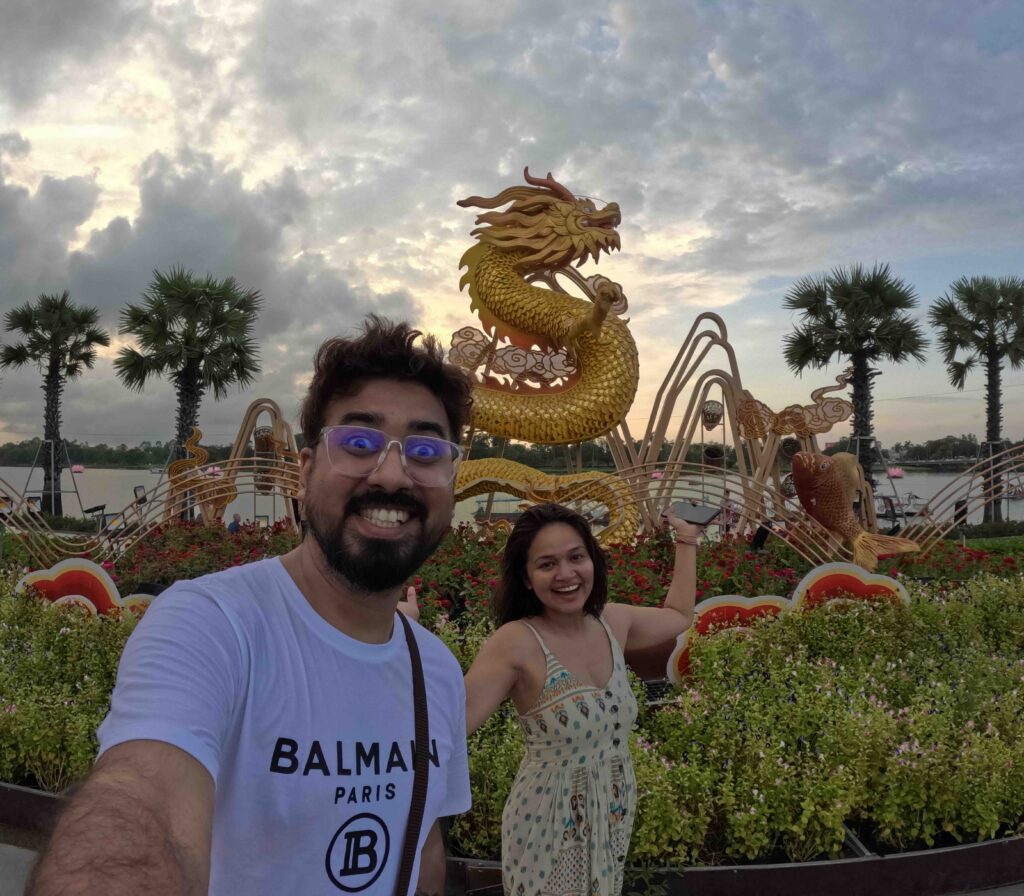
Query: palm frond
column 958, row 371
column 133, row 368
column 17, row 355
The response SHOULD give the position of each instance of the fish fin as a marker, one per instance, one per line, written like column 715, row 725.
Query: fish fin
column 867, row 547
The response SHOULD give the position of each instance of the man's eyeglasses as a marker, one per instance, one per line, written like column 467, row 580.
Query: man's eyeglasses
column 359, row 450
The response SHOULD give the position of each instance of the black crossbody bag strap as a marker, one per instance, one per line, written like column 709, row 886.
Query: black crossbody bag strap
column 421, row 762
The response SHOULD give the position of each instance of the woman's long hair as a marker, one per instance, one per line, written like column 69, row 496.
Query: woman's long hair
column 513, row 599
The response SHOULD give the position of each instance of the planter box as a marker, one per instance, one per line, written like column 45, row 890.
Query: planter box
column 27, row 808
column 931, row 872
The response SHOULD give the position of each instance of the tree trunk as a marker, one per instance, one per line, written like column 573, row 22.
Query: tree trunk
column 863, row 414
column 993, row 431
column 52, row 455
column 190, row 395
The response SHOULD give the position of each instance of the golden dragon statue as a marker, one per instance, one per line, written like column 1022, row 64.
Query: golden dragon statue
column 570, row 368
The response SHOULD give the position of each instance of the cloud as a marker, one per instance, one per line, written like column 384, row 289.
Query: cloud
column 36, row 227
column 196, row 212
column 46, row 42
column 316, row 152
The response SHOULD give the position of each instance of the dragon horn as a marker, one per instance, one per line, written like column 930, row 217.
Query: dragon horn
column 550, row 183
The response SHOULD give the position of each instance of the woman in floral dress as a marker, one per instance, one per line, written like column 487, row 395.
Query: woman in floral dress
column 558, row 653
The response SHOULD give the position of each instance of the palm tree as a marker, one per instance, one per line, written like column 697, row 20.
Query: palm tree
column 860, row 315
column 983, row 318
column 197, row 332
column 60, row 339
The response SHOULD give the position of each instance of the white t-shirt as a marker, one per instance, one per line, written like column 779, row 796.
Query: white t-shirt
column 307, row 733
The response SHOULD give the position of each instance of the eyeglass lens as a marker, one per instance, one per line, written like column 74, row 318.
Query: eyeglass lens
column 357, row 450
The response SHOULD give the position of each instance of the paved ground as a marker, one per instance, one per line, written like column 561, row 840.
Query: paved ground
column 15, row 864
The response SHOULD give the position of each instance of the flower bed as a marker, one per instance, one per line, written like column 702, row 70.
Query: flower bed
column 904, row 723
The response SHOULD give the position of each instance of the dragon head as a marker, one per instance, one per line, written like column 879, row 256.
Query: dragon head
column 546, row 219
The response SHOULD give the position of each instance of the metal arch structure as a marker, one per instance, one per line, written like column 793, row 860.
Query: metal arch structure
column 756, row 431
column 654, row 486
column 990, row 480
column 193, row 486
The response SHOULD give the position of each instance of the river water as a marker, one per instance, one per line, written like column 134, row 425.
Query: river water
column 116, row 489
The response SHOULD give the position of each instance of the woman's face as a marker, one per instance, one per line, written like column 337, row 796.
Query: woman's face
column 559, row 569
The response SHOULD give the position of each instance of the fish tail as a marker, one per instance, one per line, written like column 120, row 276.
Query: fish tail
column 867, row 547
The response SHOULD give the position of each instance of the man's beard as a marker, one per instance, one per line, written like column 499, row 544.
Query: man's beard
column 375, row 564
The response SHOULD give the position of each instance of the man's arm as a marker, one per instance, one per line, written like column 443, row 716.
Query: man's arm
column 432, row 862
column 141, row 823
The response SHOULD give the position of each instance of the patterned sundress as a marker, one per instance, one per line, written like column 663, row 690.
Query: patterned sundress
column 566, row 825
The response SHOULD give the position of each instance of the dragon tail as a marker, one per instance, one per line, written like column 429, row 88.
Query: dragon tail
column 868, row 547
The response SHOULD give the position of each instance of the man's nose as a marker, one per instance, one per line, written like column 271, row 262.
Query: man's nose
column 390, row 468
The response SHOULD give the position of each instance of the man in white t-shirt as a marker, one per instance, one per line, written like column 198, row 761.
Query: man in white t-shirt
column 260, row 736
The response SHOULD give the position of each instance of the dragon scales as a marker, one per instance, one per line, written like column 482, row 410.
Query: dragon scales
column 578, row 368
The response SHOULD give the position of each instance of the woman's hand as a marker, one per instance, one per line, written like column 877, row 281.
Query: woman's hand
column 409, row 606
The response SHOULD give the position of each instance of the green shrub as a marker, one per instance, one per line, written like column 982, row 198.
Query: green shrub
column 57, row 669
column 1001, row 529
column 495, row 752
column 905, row 722
column 13, row 554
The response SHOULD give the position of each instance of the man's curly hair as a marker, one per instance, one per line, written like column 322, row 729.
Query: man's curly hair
column 384, row 350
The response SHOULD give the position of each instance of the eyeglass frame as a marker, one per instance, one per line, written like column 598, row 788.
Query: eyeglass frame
column 389, row 441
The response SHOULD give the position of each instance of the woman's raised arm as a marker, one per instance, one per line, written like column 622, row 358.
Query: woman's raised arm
column 650, row 626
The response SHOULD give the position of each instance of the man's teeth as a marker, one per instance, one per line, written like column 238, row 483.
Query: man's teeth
column 387, row 519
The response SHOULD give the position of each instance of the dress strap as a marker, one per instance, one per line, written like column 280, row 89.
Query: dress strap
column 613, row 642
column 536, row 634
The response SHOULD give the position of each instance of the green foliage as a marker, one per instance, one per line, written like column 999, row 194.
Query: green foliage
column 495, row 752
column 13, row 554
column 982, row 319
column 869, row 714
column 57, row 669
column 984, row 531
column 144, row 456
column 195, row 331
column 853, row 312
column 70, row 523
column 60, row 336
column 184, row 550
column 905, row 723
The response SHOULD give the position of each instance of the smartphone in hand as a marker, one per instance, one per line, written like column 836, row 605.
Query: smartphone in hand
column 698, row 514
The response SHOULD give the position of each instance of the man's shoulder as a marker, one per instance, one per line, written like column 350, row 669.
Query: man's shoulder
column 234, row 590
column 245, row 575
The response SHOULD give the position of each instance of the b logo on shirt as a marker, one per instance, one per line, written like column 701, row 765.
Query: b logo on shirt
column 358, row 853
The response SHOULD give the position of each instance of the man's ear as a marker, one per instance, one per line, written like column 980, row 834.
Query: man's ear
column 306, row 456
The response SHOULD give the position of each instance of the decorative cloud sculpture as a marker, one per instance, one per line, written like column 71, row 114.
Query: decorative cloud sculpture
column 83, row 583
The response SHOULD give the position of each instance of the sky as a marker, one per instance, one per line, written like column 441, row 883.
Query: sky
column 315, row 150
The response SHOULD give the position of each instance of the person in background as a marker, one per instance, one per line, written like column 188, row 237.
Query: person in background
column 558, row 653
column 236, row 524
column 260, row 735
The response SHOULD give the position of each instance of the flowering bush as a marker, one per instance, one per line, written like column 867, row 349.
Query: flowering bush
column 904, row 723
column 57, row 669
column 182, row 550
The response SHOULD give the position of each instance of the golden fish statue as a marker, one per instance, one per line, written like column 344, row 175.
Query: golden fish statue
column 826, row 487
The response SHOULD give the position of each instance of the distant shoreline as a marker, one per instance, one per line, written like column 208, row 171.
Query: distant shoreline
column 66, row 470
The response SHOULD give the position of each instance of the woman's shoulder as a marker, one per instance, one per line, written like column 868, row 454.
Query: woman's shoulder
column 515, row 639
column 513, row 632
